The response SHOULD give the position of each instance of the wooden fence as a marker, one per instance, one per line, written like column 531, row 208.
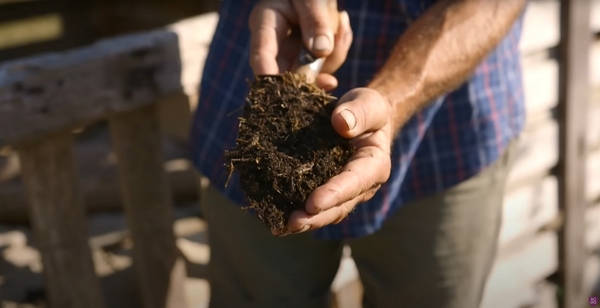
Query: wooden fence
column 544, row 230
column 549, row 232
column 42, row 99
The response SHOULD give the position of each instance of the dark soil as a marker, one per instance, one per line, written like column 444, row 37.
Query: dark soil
column 286, row 146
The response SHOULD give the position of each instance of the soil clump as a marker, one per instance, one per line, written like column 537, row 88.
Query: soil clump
column 286, row 146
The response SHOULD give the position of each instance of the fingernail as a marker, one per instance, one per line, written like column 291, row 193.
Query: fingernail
column 345, row 24
column 278, row 232
column 305, row 228
column 321, row 43
column 348, row 116
column 345, row 18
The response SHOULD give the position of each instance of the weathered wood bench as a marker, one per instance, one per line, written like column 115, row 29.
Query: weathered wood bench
column 42, row 99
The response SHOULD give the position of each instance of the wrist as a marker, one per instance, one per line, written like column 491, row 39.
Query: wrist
column 398, row 106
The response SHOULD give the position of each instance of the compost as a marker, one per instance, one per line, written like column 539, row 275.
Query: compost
column 286, row 146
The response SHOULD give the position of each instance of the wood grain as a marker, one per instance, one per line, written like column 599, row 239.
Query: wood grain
column 64, row 90
column 59, row 91
column 59, row 223
column 149, row 208
column 573, row 100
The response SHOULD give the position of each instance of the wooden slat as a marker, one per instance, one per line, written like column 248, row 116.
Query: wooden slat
column 75, row 19
column 31, row 30
column 101, row 193
column 592, row 222
column 11, row 10
column 538, row 78
column 57, row 91
column 537, row 152
column 593, row 133
column 595, row 64
column 516, row 271
column 592, row 173
column 573, row 100
column 194, row 35
column 98, row 177
column 528, row 209
column 116, row 74
column 540, row 26
column 4, row 2
column 148, row 205
column 595, row 22
column 59, row 223
column 592, row 275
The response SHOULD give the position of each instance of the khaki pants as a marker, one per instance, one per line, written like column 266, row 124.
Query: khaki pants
column 434, row 252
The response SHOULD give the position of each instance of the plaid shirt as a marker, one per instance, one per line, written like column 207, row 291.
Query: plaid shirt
column 454, row 138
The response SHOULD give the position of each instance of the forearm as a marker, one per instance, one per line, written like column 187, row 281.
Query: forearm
column 440, row 50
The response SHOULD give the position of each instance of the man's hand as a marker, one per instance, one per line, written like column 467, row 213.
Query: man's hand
column 436, row 54
column 363, row 115
column 275, row 27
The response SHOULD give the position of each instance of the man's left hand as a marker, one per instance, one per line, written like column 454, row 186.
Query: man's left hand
column 363, row 115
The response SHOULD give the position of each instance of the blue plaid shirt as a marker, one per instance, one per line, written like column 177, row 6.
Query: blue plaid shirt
column 454, row 138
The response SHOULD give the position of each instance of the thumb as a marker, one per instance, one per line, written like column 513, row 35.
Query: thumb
column 318, row 21
column 359, row 111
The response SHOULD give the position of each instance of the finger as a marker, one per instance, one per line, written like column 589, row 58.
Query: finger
column 268, row 28
column 326, row 82
column 369, row 167
column 317, row 24
column 360, row 110
column 288, row 53
column 300, row 221
column 343, row 41
column 330, row 216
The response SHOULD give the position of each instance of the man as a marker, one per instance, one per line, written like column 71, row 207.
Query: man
column 431, row 95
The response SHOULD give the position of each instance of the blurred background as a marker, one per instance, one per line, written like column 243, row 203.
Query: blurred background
column 535, row 265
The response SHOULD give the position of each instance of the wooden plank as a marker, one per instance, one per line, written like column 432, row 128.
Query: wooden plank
column 592, row 223
column 595, row 20
column 116, row 74
column 175, row 118
column 516, row 271
column 13, row 10
column 30, row 30
column 347, row 270
column 98, row 178
column 537, row 152
column 195, row 35
column 148, row 206
column 76, row 25
column 592, row 170
column 57, row 91
column 346, row 287
column 573, row 100
column 538, row 77
column 528, row 209
column 545, row 295
column 59, row 223
column 540, row 26
column 593, row 133
column 592, row 275
column 595, row 64
column 100, row 192
column 3, row 2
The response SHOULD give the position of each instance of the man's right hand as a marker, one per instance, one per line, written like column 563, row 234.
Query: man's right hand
column 275, row 44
